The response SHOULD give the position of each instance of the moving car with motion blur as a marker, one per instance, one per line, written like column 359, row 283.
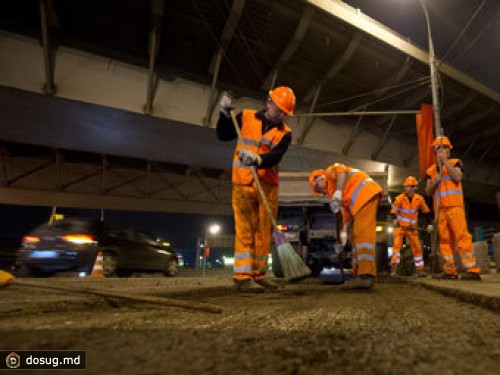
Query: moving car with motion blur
column 71, row 245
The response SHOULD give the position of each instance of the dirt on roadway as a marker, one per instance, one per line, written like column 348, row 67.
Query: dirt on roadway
column 307, row 328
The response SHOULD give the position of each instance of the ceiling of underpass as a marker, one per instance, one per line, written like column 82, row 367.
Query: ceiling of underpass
column 336, row 59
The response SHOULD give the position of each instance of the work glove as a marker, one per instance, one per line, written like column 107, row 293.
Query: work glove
column 249, row 158
column 335, row 202
column 430, row 228
column 226, row 103
column 343, row 238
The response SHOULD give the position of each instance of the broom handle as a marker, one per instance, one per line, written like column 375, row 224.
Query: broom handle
column 254, row 172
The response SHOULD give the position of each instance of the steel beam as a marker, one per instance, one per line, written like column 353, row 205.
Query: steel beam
column 80, row 179
column 471, row 119
column 293, row 44
column 126, row 181
column 157, row 7
column 49, row 87
column 336, row 66
column 30, row 172
column 214, row 68
column 383, row 141
column 100, row 201
column 352, row 138
column 309, row 121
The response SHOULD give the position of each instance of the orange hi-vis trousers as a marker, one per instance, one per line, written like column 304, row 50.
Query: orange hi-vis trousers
column 452, row 229
column 411, row 234
column 364, row 238
column 253, row 230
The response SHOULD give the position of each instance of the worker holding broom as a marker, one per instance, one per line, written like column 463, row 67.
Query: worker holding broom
column 406, row 207
column 266, row 138
column 444, row 184
column 357, row 196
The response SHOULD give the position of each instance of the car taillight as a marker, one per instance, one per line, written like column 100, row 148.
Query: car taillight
column 282, row 227
column 30, row 239
column 80, row 239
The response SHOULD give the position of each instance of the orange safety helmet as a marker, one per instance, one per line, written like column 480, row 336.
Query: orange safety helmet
column 284, row 98
column 410, row 181
column 445, row 141
column 312, row 179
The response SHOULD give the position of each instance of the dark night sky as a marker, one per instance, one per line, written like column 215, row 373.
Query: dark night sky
column 476, row 53
column 182, row 230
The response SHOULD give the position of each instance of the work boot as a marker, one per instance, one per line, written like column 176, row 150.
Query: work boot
column 420, row 274
column 445, row 276
column 269, row 285
column 247, row 286
column 470, row 276
column 394, row 271
column 358, row 283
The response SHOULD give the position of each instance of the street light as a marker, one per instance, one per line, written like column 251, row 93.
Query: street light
column 432, row 64
column 213, row 229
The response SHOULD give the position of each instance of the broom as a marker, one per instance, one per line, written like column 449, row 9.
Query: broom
column 292, row 264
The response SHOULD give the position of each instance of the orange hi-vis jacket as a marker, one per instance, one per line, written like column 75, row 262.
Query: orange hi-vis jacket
column 254, row 140
column 407, row 212
column 449, row 193
column 358, row 189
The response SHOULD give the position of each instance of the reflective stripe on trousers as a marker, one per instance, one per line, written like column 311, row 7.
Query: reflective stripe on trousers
column 252, row 230
column 416, row 248
column 452, row 225
column 363, row 238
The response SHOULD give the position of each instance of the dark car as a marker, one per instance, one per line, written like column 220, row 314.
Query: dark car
column 72, row 245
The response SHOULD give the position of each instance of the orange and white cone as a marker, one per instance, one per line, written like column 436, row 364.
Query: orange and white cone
column 97, row 270
column 5, row 278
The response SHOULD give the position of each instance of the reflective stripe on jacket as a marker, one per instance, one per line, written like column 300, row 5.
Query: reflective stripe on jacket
column 254, row 140
column 449, row 192
column 358, row 189
column 407, row 212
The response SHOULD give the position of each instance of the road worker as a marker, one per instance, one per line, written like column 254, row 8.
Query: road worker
column 357, row 196
column 406, row 207
column 266, row 137
column 444, row 184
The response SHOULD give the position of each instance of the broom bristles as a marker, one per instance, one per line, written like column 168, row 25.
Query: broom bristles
column 292, row 265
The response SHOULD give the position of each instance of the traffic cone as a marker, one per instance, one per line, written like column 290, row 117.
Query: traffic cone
column 5, row 278
column 97, row 271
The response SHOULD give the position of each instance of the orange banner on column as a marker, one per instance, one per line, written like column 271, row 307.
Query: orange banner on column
column 425, row 134
column 207, row 252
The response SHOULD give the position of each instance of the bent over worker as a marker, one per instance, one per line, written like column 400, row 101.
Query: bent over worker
column 266, row 137
column 406, row 207
column 444, row 184
column 357, row 195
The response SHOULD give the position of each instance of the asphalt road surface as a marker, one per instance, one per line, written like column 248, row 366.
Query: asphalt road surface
column 306, row 328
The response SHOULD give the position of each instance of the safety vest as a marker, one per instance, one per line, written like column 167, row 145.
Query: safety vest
column 449, row 193
column 407, row 212
column 358, row 189
column 254, row 140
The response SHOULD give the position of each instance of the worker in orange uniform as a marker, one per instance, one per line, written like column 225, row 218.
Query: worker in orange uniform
column 358, row 196
column 406, row 208
column 266, row 137
column 444, row 184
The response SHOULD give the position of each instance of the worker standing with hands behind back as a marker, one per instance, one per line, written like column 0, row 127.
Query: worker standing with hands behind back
column 406, row 207
column 358, row 196
column 266, row 138
column 444, row 184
